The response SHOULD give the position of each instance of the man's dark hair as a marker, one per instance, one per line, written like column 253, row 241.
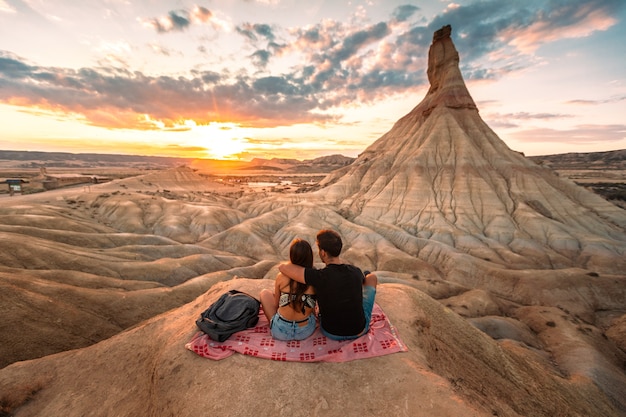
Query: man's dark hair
column 329, row 241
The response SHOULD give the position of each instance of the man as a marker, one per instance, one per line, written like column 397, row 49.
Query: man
column 345, row 298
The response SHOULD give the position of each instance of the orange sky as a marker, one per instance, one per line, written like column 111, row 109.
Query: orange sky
column 243, row 79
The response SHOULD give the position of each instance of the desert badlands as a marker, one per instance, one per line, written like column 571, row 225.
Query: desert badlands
column 506, row 283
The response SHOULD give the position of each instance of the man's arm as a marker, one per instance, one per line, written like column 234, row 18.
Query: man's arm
column 295, row 272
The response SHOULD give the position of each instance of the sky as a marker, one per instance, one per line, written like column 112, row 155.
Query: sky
column 238, row 79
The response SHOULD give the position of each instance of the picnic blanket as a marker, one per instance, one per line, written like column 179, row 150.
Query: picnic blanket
column 382, row 339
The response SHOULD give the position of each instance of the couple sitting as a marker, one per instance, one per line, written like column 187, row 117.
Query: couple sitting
column 345, row 295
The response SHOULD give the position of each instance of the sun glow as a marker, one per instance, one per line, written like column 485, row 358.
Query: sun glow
column 222, row 140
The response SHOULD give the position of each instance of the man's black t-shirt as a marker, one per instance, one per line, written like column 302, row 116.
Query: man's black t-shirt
column 339, row 291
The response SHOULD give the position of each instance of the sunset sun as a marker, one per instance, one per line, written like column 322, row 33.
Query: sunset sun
column 222, row 140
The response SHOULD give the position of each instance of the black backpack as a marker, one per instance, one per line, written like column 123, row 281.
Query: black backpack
column 232, row 312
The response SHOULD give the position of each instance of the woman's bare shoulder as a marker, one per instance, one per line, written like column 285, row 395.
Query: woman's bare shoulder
column 282, row 281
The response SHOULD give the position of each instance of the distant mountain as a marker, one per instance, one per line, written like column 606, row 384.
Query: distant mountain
column 65, row 159
column 609, row 160
column 90, row 159
column 333, row 160
column 604, row 173
column 321, row 164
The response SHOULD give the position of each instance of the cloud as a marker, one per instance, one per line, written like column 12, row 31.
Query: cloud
column 357, row 40
column 160, row 50
column 275, row 86
column 187, row 149
column 251, row 31
column 356, row 63
column 208, row 77
column 21, row 9
column 564, row 20
column 327, row 65
column 202, row 14
column 11, row 67
column 513, row 31
column 265, row 2
column 116, row 98
column 261, row 57
column 582, row 134
column 513, row 120
column 179, row 20
column 404, row 12
column 530, row 116
column 538, row 116
column 320, row 36
column 256, row 32
column 6, row 8
column 174, row 21
column 332, row 43
column 610, row 100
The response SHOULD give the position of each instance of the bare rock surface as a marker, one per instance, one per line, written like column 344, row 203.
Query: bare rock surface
column 450, row 369
column 505, row 281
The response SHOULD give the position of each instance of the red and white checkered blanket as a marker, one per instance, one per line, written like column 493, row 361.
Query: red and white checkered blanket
column 381, row 339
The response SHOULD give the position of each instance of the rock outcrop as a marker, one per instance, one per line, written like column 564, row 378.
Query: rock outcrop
column 451, row 369
column 441, row 175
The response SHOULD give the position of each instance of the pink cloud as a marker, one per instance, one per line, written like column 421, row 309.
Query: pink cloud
column 583, row 134
column 581, row 22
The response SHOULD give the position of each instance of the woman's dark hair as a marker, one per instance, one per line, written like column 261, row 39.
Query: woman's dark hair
column 300, row 253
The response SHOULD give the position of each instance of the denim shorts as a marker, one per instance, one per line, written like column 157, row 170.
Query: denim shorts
column 283, row 329
column 369, row 295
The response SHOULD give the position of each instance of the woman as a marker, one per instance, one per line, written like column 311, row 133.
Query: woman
column 290, row 309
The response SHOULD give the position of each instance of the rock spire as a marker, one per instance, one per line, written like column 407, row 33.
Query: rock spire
column 447, row 87
column 443, row 175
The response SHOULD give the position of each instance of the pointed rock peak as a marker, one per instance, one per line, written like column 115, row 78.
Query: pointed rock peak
column 442, row 175
column 442, row 33
column 446, row 82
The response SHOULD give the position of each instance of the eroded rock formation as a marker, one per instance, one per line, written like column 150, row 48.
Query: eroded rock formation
column 441, row 177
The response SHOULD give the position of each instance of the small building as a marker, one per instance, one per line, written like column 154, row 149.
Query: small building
column 53, row 181
column 15, row 185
